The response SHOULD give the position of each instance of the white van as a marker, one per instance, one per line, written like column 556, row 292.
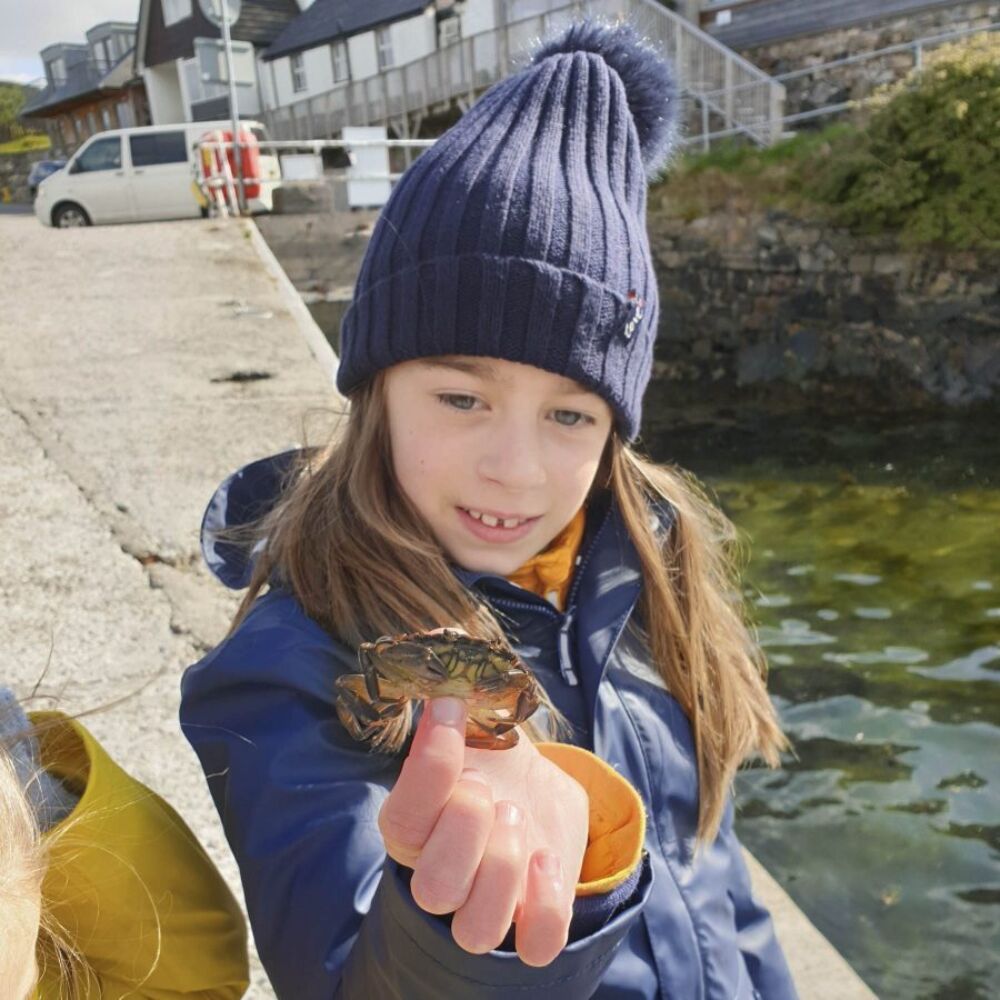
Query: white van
column 138, row 175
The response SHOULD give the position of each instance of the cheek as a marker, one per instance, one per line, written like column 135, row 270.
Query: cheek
column 577, row 468
column 418, row 456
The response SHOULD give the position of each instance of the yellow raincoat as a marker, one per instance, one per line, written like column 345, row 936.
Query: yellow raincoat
column 131, row 886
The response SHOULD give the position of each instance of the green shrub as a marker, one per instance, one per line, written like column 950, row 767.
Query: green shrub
column 927, row 164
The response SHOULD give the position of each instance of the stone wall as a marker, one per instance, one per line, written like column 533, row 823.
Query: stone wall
column 757, row 306
column 793, row 308
column 857, row 80
column 14, row 170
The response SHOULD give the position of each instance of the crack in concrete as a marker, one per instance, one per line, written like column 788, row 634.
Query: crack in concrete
column 125, row 530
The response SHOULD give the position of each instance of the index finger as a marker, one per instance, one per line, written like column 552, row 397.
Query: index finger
column 426, row 781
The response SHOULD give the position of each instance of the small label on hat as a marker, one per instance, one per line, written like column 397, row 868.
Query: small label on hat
column 635, row 306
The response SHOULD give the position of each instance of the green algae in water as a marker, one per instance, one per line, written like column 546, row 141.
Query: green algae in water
column 874, row 581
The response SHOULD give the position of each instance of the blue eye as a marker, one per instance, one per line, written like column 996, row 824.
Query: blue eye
column 457, row 401
column 575, row 419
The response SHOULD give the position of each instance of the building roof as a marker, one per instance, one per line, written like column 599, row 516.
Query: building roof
column 85, row 80
column 63, row 47
column 327, row 20
column 111, row 26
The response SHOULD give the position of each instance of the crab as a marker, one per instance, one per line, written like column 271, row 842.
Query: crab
column 376, row 705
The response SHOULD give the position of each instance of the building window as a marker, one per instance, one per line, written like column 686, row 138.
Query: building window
column 338, row 53
column 57, row 72
column 449, row 31
column 175, row 10
column 298, row 73
column 384, row 42
column 106, row 118
column 105, row 54
column 125, row 116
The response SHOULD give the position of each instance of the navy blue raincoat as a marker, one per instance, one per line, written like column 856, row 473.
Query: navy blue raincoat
column 299, row 800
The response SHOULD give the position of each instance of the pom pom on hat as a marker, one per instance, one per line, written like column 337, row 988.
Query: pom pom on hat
column 647, row 76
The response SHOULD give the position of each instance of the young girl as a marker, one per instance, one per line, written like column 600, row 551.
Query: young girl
column 495, row 356
column 104, row 892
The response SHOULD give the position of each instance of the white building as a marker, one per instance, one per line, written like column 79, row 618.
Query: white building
column 170, row 30
column 355, row 62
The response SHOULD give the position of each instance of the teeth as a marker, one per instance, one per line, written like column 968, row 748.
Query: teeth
column 492, row 522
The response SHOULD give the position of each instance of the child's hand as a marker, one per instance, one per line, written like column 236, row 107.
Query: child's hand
column 492, row 836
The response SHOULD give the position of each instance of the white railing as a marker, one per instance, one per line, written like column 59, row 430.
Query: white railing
column 219, row 179
column 724, row 89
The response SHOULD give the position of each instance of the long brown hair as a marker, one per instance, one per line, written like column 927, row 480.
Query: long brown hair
column 362, row 562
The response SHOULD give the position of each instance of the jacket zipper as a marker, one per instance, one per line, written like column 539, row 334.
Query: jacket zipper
column 565, row 659
column 566, row 667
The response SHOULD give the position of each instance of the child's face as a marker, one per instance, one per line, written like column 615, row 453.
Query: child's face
column 19, row 919
column 505, row 440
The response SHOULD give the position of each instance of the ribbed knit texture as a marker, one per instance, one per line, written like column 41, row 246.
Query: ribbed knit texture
column 521, row 235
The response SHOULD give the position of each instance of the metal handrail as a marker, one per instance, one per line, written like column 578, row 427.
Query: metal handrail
column 220, row 184
column 469, row 65
column 704, row 38
column 918, row 45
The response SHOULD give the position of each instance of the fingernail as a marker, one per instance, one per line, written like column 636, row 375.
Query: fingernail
column 509, row 813
column 447, row 711
column 471, row 774
column 549, row 865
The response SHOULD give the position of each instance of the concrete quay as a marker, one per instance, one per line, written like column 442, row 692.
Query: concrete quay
column 124, row 400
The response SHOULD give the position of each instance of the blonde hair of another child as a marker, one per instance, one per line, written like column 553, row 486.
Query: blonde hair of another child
column 24, row 856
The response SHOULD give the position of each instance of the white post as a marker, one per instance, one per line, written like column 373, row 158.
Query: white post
column 234, row 111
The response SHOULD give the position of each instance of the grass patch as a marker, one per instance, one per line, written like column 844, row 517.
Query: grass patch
column 750, row 161
column 26, row 144
column 734, row 177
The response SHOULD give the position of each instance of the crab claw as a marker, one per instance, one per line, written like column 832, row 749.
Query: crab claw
column 383, row 723
column 495, row 737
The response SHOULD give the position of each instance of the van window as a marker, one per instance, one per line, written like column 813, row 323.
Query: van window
column 103, row 154
column 158, row 147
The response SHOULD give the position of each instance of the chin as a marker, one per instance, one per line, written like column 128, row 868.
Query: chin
column 496, row 563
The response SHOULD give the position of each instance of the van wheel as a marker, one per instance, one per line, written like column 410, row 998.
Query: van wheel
column 69, row 216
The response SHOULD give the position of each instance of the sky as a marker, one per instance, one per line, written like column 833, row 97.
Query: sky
column 27, row 26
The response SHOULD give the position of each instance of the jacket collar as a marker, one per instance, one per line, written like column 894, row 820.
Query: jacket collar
column 602, row 596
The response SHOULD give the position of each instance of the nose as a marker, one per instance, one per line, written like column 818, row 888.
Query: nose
column 513, row 457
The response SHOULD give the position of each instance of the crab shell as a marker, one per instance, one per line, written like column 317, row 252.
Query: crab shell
column 499, row 690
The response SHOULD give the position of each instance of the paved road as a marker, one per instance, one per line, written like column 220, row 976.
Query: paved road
column 117, row 420
column 114, row 430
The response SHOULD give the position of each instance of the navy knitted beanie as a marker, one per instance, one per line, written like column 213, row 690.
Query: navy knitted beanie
column 521, row 233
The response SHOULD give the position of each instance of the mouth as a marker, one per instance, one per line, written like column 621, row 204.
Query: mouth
column 494, row 520
column 493, row 526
